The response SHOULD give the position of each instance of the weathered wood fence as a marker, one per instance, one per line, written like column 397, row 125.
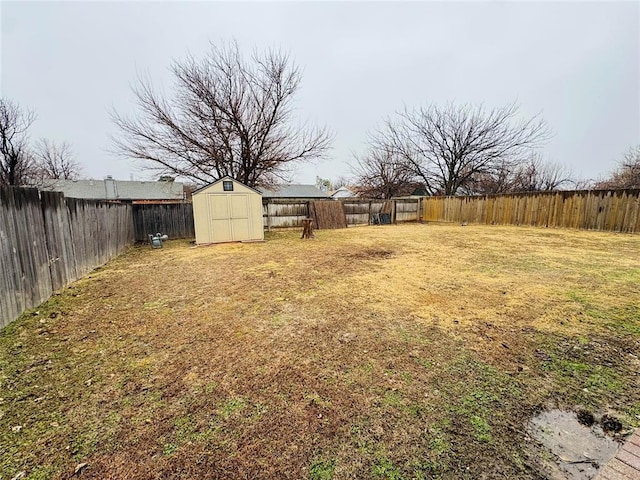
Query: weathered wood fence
column 358, row 211
column 327, row 214
column 172, row 219
column 609, row 210
column 48, row 241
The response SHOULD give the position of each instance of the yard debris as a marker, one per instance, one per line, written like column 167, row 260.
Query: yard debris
column 16, row 428
column 610, row 424
column 346, row 337
column 586, row 418
column 544, row 356
column 80, row 467
column 19, row 475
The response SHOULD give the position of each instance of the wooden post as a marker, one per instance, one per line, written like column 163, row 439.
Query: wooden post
column 268, row 217
column 307, row 228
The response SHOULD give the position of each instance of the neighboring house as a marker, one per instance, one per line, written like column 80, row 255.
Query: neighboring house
column 121, row 191
column 343, row 192
column 293, row 192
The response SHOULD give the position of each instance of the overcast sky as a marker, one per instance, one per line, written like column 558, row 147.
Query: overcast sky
column 576, row 63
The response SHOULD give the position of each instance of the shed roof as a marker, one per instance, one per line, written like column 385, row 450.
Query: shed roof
column 293, row 191
column 111, row 189
column 226, row 177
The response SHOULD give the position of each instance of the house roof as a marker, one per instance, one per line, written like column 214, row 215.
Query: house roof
column 294, row 191
column 111, row 189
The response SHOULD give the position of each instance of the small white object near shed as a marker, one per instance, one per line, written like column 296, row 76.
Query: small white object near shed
column 227, row 211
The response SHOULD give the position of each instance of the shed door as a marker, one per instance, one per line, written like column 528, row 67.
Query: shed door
column 219, row 218
column 240, row 216
column 229, row 216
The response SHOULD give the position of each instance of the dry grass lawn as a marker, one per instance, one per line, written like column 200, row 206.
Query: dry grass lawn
column 409, row 351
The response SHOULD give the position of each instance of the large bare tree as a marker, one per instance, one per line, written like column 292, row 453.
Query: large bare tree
column 446, row 147
column 627, row 175
column 229, row 116
column 55, row 161
column 16, row 162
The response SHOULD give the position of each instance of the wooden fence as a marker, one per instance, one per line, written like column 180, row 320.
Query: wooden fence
column 48, row 241
column 609, row 210
column 358, row 211
column 172, row 219
column 284, row 212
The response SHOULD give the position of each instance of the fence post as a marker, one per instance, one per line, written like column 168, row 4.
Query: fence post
column 268, row 217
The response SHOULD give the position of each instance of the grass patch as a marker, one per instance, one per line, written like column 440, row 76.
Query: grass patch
column 322, row 469
column 384, row 468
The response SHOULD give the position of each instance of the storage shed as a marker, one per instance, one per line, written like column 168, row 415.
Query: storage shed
column 227, row 211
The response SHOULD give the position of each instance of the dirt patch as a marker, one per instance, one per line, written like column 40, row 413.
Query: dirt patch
column 368, row 254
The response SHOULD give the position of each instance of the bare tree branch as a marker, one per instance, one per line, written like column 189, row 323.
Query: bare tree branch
column 55, row 161
column 530, row 175
column 15, row 159
column 229, row 116
column 382, row 173
column 627, row 175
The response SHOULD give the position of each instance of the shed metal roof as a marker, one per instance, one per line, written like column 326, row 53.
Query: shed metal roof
column 294, row 191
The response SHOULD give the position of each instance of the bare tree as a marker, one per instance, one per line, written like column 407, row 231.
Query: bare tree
column 536, row 175
column 381, row 173
column 229, row 116
column 55, row 161
column 501, row 179
column 15, row 159
column 627, row 175
column 446, row 147
column 531, row 175
column 340, row 181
